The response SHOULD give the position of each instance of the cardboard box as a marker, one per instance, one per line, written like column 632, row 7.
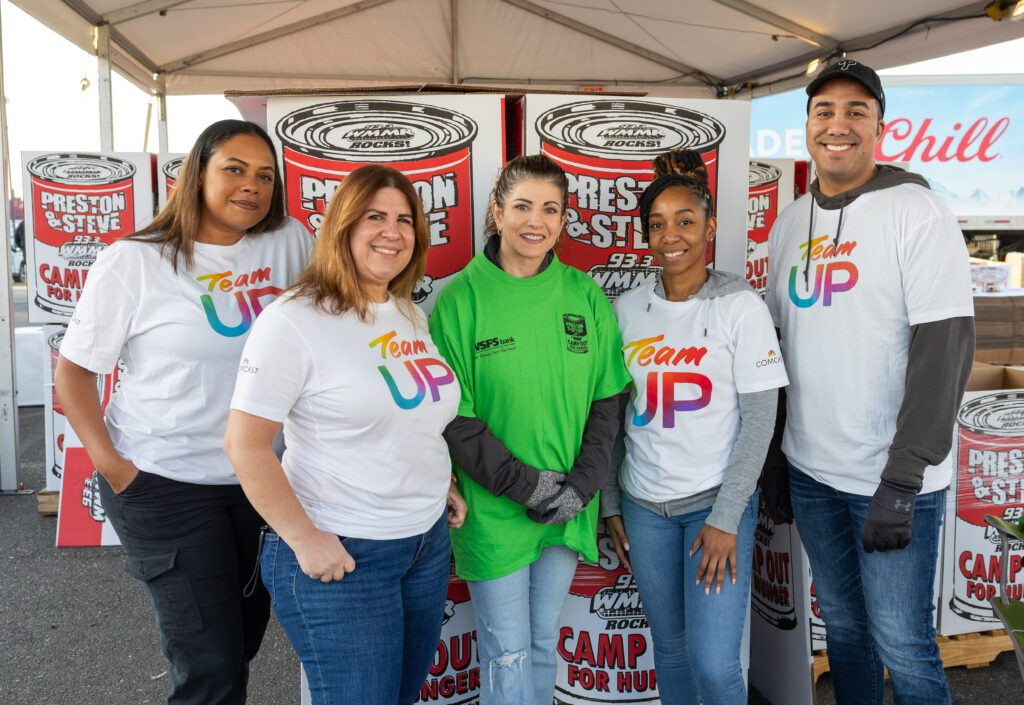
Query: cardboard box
column 989, row 276
column 988, row 449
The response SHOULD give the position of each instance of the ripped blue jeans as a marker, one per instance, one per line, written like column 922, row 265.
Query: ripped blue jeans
column 517, row 655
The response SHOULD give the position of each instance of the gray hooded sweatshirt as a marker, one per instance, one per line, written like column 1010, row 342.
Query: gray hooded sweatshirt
column 757, row 420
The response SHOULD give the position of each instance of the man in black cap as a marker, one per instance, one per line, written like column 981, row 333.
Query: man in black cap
column 870, row 286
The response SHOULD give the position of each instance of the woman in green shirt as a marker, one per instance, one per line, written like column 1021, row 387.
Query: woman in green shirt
column 536, row 349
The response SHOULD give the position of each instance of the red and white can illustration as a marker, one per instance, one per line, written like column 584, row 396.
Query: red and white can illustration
column 607, row 148
column 80, row 204
column 324, row 143
column 762, row 209
column 454, row 675
column 605, row 643
column 772, row 596
column 106, row 385
column 817, row 624
column 169, row 172
column 989, row 480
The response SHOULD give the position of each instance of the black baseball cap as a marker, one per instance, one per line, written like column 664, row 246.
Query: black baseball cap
column 855, row 71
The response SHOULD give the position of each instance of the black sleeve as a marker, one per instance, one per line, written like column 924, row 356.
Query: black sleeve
column 938, row 365
column 775, row 460
column 592, row 464
column 485, row 458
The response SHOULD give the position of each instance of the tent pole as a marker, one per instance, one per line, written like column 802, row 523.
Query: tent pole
column 8, row 398
column 101, row 39
column 161, row 116
column 454, row 4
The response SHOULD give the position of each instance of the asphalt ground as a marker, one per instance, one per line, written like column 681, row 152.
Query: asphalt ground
column 75, row 629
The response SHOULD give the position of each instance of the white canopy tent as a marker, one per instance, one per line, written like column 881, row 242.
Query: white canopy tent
column 700, row 48
column 667, row 46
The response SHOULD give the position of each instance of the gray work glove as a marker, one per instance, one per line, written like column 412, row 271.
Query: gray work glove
column 890, row 512
column 548, row 485
column 559, row 509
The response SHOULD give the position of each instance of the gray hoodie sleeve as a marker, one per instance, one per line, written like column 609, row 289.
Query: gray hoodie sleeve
column 938, row 365
column 757, row 423
column 611, row 493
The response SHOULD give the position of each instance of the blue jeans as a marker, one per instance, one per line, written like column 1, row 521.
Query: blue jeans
column 877, row 607
column 369, row 638
column 518, row 618
column 696, row 637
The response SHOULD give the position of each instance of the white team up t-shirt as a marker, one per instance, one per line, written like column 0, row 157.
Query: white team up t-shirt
column 901, row 261
column 180, row 335
column 363, row 407
column 684, row 418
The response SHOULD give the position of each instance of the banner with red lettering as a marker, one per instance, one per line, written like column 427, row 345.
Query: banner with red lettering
column 450, row 146
column 770, row 190
column 607, row 147
column 81, row 520
column 77, row 204
column 965, row 137
column 988, row 449
column 780, row 650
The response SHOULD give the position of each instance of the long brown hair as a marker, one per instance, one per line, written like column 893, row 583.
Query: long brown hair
column 330, row 280
column 176, row 226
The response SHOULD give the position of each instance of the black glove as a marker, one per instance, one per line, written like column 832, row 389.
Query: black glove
column 548, row 485
column 559, row 509
column 887, row 525
column 774, row 484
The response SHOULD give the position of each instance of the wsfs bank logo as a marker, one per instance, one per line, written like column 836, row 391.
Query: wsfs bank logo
column 491, row 346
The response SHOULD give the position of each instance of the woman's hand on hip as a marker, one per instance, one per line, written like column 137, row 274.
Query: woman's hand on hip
column 456, row 506
column 120, row 474
column 719, row 548
column 322, row 557
column 617, row 532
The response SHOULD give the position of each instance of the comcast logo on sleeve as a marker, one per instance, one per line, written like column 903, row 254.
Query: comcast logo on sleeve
column 773, row 358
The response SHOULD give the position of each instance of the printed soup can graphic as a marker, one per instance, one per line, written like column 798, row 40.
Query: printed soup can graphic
column 762, row 209
column 324, row 143
column 604, row 643
column 771, row 593
column 106, row 385
column 171, row 170
column 990, row 480
column 454, row 674
column 607, row 148
column 80, row 204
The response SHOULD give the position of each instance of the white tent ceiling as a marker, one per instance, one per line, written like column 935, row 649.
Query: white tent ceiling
column 668, row 47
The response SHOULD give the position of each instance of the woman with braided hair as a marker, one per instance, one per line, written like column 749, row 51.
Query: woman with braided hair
column 681, row 501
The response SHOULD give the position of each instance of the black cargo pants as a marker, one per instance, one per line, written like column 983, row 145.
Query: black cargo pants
column 194, row 547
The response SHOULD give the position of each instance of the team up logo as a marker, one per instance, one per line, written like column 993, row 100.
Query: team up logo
column 247, row 293
column 831, row 274
column 425, row 371
column 674, row 387
column 575, row 327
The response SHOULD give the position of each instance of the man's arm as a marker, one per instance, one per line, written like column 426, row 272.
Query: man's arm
column 938, row 365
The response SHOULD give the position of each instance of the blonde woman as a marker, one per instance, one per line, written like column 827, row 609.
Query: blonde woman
column 357, row 559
